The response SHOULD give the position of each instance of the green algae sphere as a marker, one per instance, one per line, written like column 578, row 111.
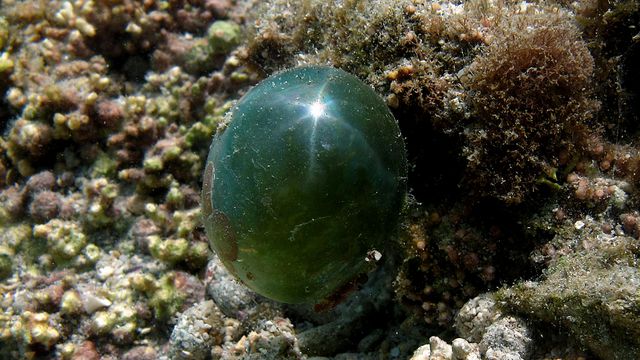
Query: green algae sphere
column 304, row 184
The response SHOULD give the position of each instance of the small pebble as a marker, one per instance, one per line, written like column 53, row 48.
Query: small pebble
column 91, row 302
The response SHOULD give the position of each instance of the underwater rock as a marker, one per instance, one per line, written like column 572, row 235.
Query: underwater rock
column 197, row 331
column 230, row 296
column 476, row 316
column 463, row 350
column 593, row 293
column 509, row 338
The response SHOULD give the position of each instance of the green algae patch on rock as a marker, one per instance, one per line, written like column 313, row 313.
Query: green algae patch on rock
column 592, row 293
column 305, row 184
column 6, row 266
column 223, row 36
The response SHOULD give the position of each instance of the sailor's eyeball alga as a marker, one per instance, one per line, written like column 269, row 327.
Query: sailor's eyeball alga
column 304, row 184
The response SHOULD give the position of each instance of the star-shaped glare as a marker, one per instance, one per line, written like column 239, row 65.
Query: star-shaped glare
column 317, row 109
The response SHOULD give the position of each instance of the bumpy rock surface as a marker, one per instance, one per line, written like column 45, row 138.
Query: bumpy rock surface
column 197, row 331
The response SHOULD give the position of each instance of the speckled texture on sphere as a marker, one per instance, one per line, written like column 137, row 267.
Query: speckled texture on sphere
column 307, row 180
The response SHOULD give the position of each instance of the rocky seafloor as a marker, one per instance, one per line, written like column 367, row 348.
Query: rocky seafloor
column 518, row 239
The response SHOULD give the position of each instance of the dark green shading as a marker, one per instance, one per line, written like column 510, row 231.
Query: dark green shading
column 293, row 202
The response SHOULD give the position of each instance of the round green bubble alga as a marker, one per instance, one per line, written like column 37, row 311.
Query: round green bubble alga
column 304, row 186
